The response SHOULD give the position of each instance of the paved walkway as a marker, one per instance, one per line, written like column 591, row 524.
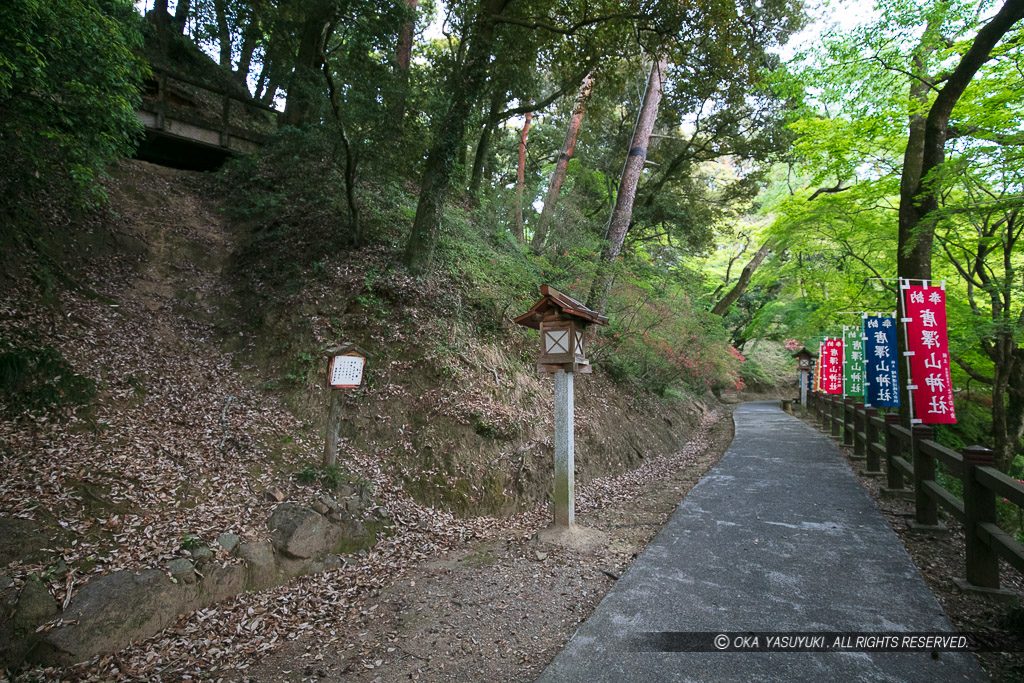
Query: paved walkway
column 779, row 536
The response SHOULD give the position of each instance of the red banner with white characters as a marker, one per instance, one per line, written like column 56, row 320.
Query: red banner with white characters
column 832, row 366
column 924, row 312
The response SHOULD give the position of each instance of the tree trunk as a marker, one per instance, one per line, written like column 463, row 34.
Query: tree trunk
column 249, row 41
column 403, row 59
column 926, row 150
column 1014, row 407
column 223, row 33
column 562, row 165
column 722, row 307
column 521, row 179
column 160, row 15
column 305, row 80
column 631, row 171
column 635, row 161
column 484, row 145
column 181, row 15
column 465, row 85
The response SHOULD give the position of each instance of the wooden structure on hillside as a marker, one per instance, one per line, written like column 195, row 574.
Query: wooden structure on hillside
column 561, row 321
column 195, row 125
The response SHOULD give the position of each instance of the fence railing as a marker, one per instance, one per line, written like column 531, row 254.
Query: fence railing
column 910, row 457
column 177, row 106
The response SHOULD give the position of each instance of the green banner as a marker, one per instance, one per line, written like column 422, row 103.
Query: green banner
column 853, row 362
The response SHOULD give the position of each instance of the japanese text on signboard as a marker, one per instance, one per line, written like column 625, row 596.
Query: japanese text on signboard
column 853, row 366
column 927, row 341
column 832, row 366
column 881, row 386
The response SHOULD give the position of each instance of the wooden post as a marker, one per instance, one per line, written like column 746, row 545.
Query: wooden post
column 858, row 429
column 345, row 365
column 847, row 411
column 225, row 119
column 837, row 415
column 803, row 392
column 979, row 508
column 333, row 427
column 161, row 102
column 826, row 409
column 565, row 495
column 893, row 449
column 927, row 510
column 874, row 464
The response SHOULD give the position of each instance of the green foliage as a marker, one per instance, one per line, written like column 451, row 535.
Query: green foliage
column 331, row 477
column 69, row 85
column 36, row 378
column 307, row 475
column 191, row 542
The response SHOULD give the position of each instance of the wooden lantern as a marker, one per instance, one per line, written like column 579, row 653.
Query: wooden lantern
column 805, row 359
column 561, row 321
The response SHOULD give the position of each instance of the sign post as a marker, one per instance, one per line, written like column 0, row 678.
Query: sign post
column 561, row 321
column 345, row 364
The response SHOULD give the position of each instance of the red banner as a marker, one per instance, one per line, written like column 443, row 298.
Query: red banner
column 832, row 366
column 924, row 311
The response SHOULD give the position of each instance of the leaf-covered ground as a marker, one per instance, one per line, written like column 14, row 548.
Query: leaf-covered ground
column 180, row 441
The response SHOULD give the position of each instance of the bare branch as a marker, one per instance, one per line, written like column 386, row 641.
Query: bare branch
column 829, row 190
column 971, row 372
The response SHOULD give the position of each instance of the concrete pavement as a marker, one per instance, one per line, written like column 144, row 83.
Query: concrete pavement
column 779, row 536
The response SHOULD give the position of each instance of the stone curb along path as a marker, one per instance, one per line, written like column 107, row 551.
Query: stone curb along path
column 779, row 536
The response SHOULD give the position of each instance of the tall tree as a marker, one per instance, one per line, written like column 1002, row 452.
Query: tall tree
column 926, row 147
column 403, row 61
column 562, row 164
column 465, row 84
column 925, row 154
column 518, row 222
column 618, row 224
column 305, row 87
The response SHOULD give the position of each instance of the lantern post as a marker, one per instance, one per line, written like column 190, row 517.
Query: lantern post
column 805, row 364
column 561, row 321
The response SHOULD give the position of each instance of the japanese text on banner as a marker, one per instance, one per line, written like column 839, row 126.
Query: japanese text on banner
column 882, row 382
column 853, row 365
column 832, row 366
column 925, row 309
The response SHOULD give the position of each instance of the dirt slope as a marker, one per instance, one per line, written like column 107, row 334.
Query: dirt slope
column 184, row 437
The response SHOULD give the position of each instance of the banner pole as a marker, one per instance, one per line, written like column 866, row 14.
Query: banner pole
column 902, row 305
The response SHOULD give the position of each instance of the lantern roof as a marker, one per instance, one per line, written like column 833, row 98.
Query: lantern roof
column 562, row 305
column 804, row 353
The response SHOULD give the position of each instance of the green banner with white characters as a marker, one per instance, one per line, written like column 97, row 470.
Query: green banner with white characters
column 853, row 365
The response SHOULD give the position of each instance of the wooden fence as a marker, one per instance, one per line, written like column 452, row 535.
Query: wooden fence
column 909, row 457
column 175, row 106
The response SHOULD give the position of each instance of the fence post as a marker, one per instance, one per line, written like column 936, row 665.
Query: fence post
column 867, row 445
column 837, row 415
column 893, row 449
column 847, row 412
column 826, row 410
column 979, row 507
column 927, row 510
